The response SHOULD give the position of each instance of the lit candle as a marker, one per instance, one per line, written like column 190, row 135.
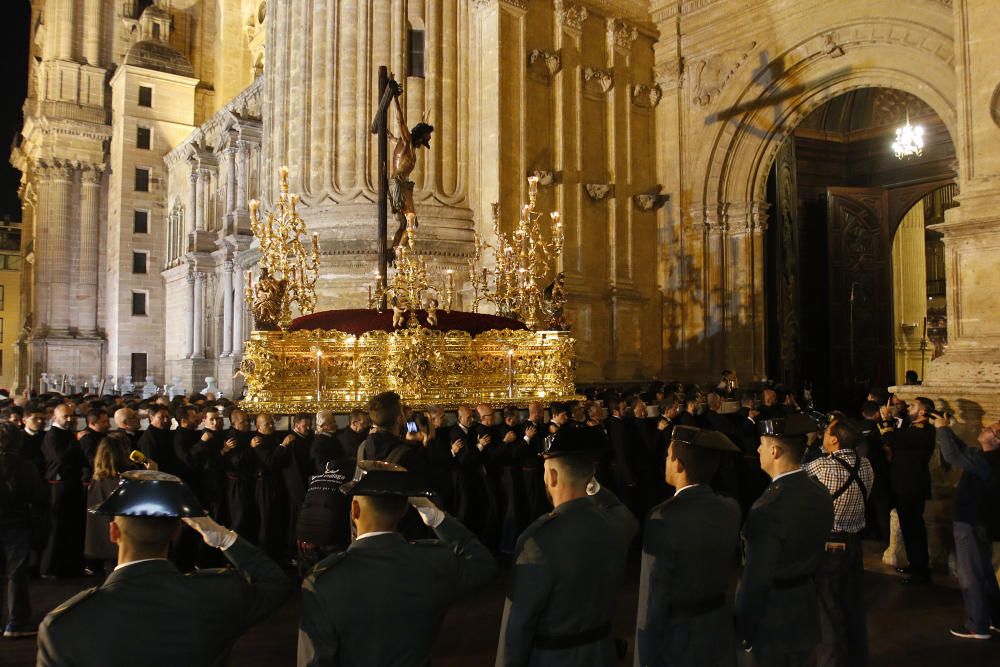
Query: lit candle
column 319, row 374
column 510, row 373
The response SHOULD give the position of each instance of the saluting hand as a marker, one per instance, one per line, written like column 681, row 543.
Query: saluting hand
column 883, row 412
column 214, row 534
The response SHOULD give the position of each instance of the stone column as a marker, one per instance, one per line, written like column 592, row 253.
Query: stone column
column 92, row 32
column 239, row 298
column 227, row 308
column 59, row 244
column 231, row 183
column 192, row 217
column 715, row 286
column 743, row 284
column 65, row 24
column 86, row 285
column 189, row 311
column 201, row 192
column 242, row 176
column 199, row 315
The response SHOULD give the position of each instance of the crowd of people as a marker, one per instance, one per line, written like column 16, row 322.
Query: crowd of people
column 718, row 476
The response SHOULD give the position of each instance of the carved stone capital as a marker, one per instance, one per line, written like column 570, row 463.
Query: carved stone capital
column 598, row 80
column 92, row 174
column 569, row 15
column 478, row 5
column 744, row 218
column 621, row 35
column 599, row 191
column 545, row 61
column 646, row 97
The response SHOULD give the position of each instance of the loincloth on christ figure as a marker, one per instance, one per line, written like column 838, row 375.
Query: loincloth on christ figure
column 399, row 188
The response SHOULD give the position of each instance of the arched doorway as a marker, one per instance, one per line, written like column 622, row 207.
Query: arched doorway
column 837, row 195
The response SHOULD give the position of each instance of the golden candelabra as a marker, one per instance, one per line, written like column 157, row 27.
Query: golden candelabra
column 526, row 282
column 288, row 272
column 408, row 290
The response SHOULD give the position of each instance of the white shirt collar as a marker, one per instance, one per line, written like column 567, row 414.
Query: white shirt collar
column 786, row 474
column 29, row 431
column 373, row 534
column 136, row 562
column 684, row 488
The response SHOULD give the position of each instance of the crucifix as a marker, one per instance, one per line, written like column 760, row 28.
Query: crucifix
column 395, row 190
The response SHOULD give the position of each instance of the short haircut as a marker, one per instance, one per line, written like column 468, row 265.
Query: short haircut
column 301, row 417
column 94, row 415
column 699, row 463
column 794, row 445
column 324, row 416
column 559, row 408
column 577, row 468
column 385, row 409
column 357, row 415
column 148, row 535
column 926, row 403
column 386, row 508
column 184, row 412
column 510, row 411
column 845, row 433
column 869, row 409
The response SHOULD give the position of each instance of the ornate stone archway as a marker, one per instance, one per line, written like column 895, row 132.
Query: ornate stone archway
column 733, row 95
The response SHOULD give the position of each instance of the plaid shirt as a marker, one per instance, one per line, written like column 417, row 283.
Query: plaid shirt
column 849, row 507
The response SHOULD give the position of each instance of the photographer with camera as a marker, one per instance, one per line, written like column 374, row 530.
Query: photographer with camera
column 911, row 448
column 977, row 521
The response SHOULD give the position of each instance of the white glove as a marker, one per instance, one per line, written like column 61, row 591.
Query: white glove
column 430, row 514
column 212, row 533
column 593, row 487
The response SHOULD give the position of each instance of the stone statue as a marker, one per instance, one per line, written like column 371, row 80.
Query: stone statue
column 268, row 301
column 404, row 160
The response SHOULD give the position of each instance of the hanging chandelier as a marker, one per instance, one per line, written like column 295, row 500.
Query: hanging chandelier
column 909, row 140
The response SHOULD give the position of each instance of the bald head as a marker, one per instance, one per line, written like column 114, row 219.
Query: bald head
column 465, row 414
column 62, row 416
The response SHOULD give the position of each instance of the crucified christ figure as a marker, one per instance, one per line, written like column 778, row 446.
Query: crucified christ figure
column 404, row 160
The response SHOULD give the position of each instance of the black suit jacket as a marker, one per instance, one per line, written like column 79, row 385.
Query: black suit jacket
column 909, row 471
column 64, row 460
column 150, row 614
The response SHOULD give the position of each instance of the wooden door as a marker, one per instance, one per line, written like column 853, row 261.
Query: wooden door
column 860, row 296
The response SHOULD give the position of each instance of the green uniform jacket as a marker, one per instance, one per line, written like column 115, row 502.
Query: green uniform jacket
column 690, row 552
column 777, row 610
column 568, row 571
column 381, row 602
column 149, row 614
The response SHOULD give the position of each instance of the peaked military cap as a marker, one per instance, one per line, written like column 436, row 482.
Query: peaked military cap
column 381, row 478
column 704, row 438
column 575, row 440
column 793, row 425
column 150, row 493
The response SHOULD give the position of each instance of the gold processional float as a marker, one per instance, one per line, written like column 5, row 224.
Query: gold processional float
column 409, row 340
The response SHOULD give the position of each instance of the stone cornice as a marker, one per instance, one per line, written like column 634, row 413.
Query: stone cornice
column 242, row 114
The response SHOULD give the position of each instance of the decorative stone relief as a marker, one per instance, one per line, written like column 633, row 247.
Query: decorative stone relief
column 569, row 15
column 670, row 75
column 831, row 46
column 621, row 34
column 544, row 177
column 650, row 201
column 598, row 80
column 646, row 97
column 545, row 61
column 712, row 73
column 599, row 191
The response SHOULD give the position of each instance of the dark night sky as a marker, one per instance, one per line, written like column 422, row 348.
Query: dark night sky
column 15, row 22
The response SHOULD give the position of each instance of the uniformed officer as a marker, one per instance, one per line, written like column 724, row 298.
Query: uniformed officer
column 690, row 550
column 382, row 600
column 911, row 449
column 146, row 612
column 568, row 565
column 777, row 613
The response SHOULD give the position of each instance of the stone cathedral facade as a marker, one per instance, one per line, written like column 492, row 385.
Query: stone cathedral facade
column 652, row 124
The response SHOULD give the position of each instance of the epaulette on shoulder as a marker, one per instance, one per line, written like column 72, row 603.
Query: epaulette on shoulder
column 920, row 425
column 885, row 428
column 72, row 602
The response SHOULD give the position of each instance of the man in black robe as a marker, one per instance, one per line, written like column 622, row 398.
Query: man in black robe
column 269, row 492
